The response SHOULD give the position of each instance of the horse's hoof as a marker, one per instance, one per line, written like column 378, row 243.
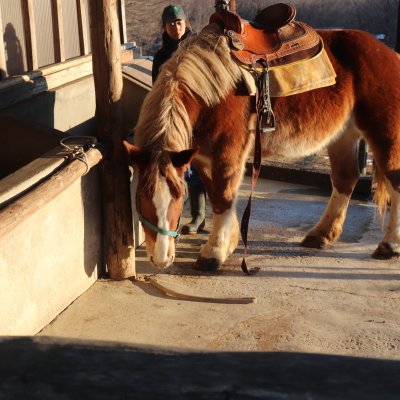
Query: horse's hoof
column 207, row 264
column 385, row 252
column 314, row 242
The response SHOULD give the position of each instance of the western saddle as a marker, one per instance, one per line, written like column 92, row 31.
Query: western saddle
column 272, row 39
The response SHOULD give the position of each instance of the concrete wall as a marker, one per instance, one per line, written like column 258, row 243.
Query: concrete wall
column 22, row 142
column 55, row 254
column 51, row 257
column 69, row 108
column 137, row 83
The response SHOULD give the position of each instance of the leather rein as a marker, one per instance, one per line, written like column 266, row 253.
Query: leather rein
column 265, row 124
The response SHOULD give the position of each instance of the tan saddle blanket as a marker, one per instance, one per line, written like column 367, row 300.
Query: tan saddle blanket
column 295, row 78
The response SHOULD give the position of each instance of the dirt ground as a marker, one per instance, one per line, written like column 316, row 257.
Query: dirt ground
column 332, row 301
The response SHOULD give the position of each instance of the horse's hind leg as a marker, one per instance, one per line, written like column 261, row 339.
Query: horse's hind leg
column 387, row 159
column 389, row 247
column 343, row 156
column 381, row 122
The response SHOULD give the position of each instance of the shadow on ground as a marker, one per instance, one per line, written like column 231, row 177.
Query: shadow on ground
column 48, row 368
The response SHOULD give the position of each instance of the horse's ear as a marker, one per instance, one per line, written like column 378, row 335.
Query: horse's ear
column 182, row 158
column 135, row 154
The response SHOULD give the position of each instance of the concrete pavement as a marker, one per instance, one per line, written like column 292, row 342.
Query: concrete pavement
column 333, row 301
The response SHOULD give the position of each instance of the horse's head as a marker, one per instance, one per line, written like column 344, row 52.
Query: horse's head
column 159, row 198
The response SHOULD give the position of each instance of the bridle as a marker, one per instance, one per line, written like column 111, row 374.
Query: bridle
column 175, row 234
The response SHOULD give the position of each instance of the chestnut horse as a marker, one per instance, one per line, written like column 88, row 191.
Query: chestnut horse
column 197, row 113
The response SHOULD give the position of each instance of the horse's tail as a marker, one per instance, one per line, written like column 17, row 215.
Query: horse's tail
column 381, row 195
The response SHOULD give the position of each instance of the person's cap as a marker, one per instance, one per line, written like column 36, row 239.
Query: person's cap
column 172, row 13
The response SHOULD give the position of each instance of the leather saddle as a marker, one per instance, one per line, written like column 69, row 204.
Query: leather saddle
column 272, row 39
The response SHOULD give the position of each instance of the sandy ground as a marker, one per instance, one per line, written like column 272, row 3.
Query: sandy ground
column 332, row 301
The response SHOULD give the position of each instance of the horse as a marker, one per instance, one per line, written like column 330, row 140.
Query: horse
column 197, row 113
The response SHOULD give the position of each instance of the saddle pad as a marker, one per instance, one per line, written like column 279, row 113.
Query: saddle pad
column 295, row 78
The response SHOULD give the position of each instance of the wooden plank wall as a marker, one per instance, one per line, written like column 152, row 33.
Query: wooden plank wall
column 59, row 32
column 58, row 26
column 2, row 51
column 398, row 30
column 30, row 35
column 83, row 27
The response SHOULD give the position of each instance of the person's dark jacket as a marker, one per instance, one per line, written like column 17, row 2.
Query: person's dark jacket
column 168, row 48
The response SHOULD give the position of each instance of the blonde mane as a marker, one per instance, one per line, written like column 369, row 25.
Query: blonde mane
column 201, row 67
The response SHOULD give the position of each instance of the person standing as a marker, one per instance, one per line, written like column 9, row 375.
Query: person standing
column 176, row 29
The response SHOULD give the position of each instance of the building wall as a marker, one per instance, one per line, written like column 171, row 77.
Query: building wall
column 69, row 108
column 55, row 254
column 50, row 258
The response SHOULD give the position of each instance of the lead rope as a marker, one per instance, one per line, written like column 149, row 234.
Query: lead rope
column 152, row 279
column 265, row 124
column 77, row 152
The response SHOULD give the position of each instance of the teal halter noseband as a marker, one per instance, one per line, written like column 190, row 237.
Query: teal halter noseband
column 155, row 228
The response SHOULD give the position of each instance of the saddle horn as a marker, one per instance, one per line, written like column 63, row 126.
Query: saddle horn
column 225, row 5
column 225, row 16
column 221, row 5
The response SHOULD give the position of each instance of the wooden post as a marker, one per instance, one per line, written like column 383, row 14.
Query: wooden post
column 30, row 35
column 398, row 29
column 232, row 5
column 22, row 208
column 82, row 27
column 124, row 37
column 107, row 70
column 58, row 27
column 3, row 65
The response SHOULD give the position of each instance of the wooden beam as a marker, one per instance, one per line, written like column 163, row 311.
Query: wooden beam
column 398, row 30
column 16, row 89
column 30, row 35
column 23, row 87
column 83, row 27
column 58, row 26
column 19, row 210
column 3, row 66
column 107, row 71
column 122, row 21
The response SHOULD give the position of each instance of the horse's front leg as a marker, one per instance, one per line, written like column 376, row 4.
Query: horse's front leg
column 222, row 186
column 222, row 241
column 343, row 156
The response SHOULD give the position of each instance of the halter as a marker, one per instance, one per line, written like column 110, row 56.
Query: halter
column 175, row 234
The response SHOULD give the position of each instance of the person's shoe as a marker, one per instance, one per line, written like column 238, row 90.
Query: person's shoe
column 193, row 227
column 197, row 198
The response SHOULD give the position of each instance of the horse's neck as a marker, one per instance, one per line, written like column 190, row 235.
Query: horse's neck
column 193, row 105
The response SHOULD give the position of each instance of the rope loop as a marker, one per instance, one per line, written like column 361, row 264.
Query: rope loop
column 78, row 151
